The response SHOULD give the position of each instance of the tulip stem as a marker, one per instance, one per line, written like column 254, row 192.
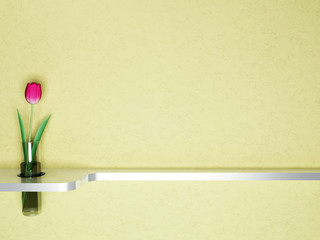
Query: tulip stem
column 30, row 123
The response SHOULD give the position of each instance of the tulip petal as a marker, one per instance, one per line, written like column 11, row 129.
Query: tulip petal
column 39, row 93
column 33, row 93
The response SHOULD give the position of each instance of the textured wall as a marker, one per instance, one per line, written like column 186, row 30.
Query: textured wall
column 176, row 210
column 165, row 84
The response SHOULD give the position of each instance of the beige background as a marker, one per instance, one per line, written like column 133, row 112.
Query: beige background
column 165, row 84
column 175, row 210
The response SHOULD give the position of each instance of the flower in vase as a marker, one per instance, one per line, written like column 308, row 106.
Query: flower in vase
column 33, row 93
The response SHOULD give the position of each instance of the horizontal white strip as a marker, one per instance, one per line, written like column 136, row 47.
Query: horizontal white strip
column 61, row 180
column 202, row 176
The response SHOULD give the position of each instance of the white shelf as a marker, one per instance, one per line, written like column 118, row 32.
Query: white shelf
column 61, row 180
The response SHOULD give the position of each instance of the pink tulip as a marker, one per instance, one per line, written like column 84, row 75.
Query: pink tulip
column 33, row 93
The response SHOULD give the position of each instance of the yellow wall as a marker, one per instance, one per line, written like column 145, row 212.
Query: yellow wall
column 176, row 210
column 165, row 84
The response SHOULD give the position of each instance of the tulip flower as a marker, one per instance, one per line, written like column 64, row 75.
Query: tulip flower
column 33, row 95
column 29, row 199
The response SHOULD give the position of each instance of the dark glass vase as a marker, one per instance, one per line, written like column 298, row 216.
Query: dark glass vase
column 31, row 201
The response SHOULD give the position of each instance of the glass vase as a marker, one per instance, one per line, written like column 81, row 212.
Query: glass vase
column 30, row 172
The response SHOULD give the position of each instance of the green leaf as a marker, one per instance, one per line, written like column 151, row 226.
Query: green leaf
column 38, row 136
column 23, row 138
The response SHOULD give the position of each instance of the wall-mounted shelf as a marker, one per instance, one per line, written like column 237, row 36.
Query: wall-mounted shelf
column 60, row 180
